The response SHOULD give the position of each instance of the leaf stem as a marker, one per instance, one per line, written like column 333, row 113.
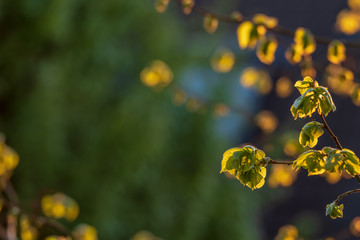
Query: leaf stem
column 278, row 29
column 346, row 194
column 326, row 126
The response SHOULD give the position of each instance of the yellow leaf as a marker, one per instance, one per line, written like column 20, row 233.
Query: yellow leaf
column 157, row 74
column 294, row 53
column 223, row 60
column 210, row 23
column 266, row 50
column 304, row 38
column 262, row 19
column 336, row 52
column 247, row 34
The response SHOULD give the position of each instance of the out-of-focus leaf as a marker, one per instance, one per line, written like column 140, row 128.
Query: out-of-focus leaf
column 266, row 50
column 336, row 52
column 210, row 23
column 304, row 38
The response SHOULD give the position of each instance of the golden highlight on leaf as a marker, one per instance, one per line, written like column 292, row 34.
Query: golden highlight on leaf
column 244, row 164
column 266, row 50
column 310, row 133
column 210, row 23
column 223, row 60
column 334, row 211
column 266, row 121
column 336, row 52
column 157, row 74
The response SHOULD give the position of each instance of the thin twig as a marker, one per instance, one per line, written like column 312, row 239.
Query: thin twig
column 346, row 194
column 326, row 126
column 278, row 29
column 289, row 162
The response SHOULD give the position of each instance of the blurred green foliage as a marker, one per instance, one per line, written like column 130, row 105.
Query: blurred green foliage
column 74, row 109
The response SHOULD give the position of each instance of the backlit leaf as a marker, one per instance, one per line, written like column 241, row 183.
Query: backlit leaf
column 266, row 50
column 248, row 34
column 310, row 133
column 223, row 60
column 262, row 19
column 304, row 38
column 305, row 84
column 313, row 161
column 336, row 52
column 334, row 211
column 294, row 53
column 210, row 23
column 253, row 178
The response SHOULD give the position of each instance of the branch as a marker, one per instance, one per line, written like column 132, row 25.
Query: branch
column 290, row 162
column 326, row 126
column 278, row 29
column 346, row 194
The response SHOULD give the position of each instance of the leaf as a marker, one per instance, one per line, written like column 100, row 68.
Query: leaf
column 312, row 160
column 293, row 54
column 210, row 23
column 310, row 133
column 305, row 84
column 254, row 178
column 336, row 52
column 313, row 98
column 338, row 160
column 334, row 162
column 262, row 19
column 266, row 50
column 351, row 162
column 227, row 159
column 334, row 211
column 161, row 5
column 247, row 34
column 304, row 38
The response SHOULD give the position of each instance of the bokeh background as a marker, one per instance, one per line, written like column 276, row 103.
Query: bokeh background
column 136, row 158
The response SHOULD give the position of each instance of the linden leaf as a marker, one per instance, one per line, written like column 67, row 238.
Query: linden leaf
column 266, row 50
column 305, row 84
column 293, row 54
column 226, row 162
column 247, row 34
column 254, row 178
column 305, row 40
column 262, row 19
column 310, row 133
column 311, row 160
column 336, row 52
column 334, row 211
column 326, row 103
column 210, row 23
column 334, row 162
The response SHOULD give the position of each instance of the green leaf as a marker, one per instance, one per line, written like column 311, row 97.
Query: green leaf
column 228, row 157
column 305, row 84
column 351, row 162
column 313, row 98
column 254, row 178
column 334, row 162
column 312, row 160
column 326, row 103
column 334, row 211
column 310, row 133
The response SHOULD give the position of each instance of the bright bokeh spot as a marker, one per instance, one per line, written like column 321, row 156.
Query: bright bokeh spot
column 307, row 67
column 210, row 23
column 27, row 231
column 340, row 79
column 304, row 38
column 354, row 5
column 221, row 109
column 348, row 22
column 355, row 227
column 262, row 19
column 336, row 52
column 223, row 60
column 287, row 232
column 85, row 232
column 281, row 175
column 291, row 148
column 156, row 74
column 283, row 87
column 161, row 5
column 266, row 50
column 54, row 237
column 59, row 205
column 237, row 16
column 187, row 6
column 256, row 79
column 144, row 235
column 355, row 95
column 266, row 121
